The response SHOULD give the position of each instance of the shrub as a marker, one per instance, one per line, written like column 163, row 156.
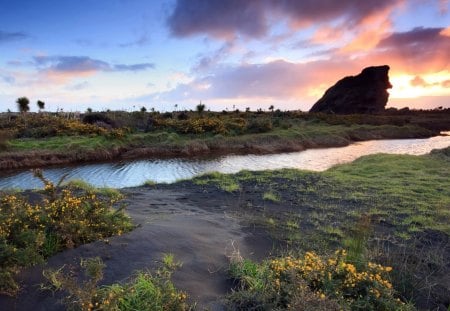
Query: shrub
column 286, row 283
column 94, row 117
column 45, row 125
column 259, row 125
column 182, row 116
column 194, row 126
column 5, row 136
column 167, row 115
column 236, row 125
column 29, row 233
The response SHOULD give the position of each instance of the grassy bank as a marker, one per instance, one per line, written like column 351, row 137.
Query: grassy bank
column 39, row 140
column 391, row 209
column 30, row 152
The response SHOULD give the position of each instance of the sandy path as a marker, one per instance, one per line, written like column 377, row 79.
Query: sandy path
column 200, row 236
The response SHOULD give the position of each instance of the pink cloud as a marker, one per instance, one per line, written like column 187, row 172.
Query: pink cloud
column 415, row 52
column 59, row 69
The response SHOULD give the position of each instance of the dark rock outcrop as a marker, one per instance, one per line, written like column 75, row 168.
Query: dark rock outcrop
column 364, row 93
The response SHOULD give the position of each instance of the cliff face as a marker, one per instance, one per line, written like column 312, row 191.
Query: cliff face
column 364, row 93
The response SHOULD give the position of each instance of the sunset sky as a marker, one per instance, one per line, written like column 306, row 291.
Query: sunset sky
column 125, row 54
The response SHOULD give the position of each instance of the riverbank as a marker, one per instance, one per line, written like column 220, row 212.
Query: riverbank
column 53, row 151
column 395, row 206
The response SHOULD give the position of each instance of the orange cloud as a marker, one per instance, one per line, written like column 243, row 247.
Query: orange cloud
column 445, row 32
column 372, row 29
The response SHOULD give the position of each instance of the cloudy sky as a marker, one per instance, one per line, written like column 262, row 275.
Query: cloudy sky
column 125, row 54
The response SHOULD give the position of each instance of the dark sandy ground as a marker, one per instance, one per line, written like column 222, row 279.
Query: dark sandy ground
column 195, row 227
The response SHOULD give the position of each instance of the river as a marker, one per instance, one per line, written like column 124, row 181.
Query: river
column 134, row 173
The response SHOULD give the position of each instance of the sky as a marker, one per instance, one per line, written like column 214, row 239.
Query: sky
column 228, row 54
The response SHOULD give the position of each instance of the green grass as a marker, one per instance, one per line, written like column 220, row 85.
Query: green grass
column 270, row 196
column 60, row 143
column 400, row 189
column 144, row 291
column 414, row 189
column 222, row 181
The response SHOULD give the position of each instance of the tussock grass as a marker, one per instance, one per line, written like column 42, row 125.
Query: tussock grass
column 144, row 291
column 270, row 196
column 223, row 181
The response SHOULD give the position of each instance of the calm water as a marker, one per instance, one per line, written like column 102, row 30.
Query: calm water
column 134, row 173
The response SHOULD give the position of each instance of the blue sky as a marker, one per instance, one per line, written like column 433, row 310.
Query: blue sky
column 125, row 54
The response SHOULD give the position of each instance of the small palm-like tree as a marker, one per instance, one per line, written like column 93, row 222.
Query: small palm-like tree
column 89, row 110
column 200, row 108
column 40, row 104
column 143, row 109
column 23, row 103
column 271, row 108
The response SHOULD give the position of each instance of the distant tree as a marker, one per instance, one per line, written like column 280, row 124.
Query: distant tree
column 271, row 108
column 143, row 109
column 40, row 104
column 247, row 109
column 200, row 108
column 176, row 107
column 89, row 110
column 23, row 104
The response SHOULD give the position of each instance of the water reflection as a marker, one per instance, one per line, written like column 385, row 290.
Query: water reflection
column 134, row 173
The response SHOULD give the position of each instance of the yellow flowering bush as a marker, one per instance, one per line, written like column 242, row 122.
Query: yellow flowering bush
column 279, row 282
column 31, row 232
column 194, row 126
column 47, row 125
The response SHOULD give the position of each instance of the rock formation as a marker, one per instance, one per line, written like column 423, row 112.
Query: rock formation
column 364, row 93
